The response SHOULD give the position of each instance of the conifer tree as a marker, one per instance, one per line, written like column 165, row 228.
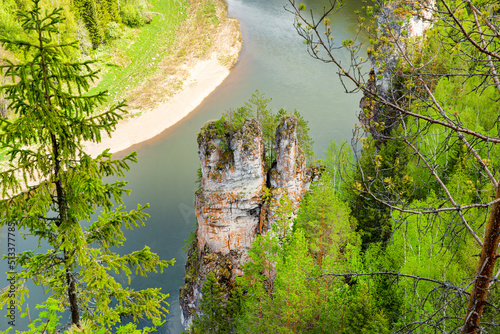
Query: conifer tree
column 257, row 284
column 51, row 187
column 327, row 222
column 257, row 107
column 215, row 309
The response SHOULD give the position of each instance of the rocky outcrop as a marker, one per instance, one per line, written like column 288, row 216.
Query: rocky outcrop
column 398, row 31
column 399, row 24
column 289, row 174
column 229, row 204
column 229, row 200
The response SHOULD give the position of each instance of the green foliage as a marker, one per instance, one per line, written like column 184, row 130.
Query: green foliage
column 426, row 247
column 113, row 31
column 282, row 227
column 361, row 315
column 236, row 118
column 257, row 285
column 98, row 15
column 217, row 310
column 189, row 242
column 437, row 246
column 295, row 295
column 382, row 170
column 89, row 12
column 257, row 107
column 54, row 116
column 287, row 283
column 131, row 15
column 386, row 293
column 9, row 26
column 427, row 174
column 128, row 57
column 339, row 163
column 328, row 224
column 221, row 129
column 136, row 57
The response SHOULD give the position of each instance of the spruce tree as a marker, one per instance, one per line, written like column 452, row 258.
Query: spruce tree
column 257, row 285
column 328, row 224
column 216, row 310
column 51, row 188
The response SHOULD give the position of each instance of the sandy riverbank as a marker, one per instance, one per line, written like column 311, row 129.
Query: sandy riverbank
column 204, row 76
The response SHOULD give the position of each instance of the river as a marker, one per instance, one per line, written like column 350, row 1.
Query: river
column 274, row 61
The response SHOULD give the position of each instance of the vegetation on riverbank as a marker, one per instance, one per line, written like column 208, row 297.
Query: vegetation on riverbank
column 402, row 234
column 149, row 66
column 144, row 60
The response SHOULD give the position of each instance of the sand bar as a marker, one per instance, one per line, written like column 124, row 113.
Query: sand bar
column 204, row 78
column 205, row 75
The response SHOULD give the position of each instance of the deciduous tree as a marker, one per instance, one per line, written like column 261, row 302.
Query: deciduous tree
column 435, row 93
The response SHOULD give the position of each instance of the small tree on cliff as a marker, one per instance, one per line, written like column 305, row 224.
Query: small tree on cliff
column 43, row 141
column 257, row 107
column 218, row 308
column 438, row 96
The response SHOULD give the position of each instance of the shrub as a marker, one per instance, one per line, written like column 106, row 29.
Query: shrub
column 113, row 31
column 131, row 16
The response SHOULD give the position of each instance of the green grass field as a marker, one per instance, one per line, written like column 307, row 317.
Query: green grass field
column 126, row 63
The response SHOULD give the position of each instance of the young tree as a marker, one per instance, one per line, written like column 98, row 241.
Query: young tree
column 327, row 222
column 257, row 285
column 51, row 187
column 435, row 93
column 212, row 307
column 257, row 107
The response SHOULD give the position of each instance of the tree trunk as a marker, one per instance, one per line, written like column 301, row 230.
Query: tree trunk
column 62, row 205
column 73, row 302
column 484, row 270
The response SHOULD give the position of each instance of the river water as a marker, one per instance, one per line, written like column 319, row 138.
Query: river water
column 274, row 61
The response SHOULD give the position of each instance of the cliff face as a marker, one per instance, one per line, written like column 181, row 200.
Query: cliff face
column 289, row 174
column 396, row 32
column 399, row 31
column 229, row 204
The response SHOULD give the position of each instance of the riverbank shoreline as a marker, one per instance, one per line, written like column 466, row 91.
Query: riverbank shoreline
column 204, row 76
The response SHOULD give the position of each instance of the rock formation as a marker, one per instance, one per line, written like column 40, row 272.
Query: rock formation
column 289, row 174
column 229, row 204
column 229, row 200
column 396, row 31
